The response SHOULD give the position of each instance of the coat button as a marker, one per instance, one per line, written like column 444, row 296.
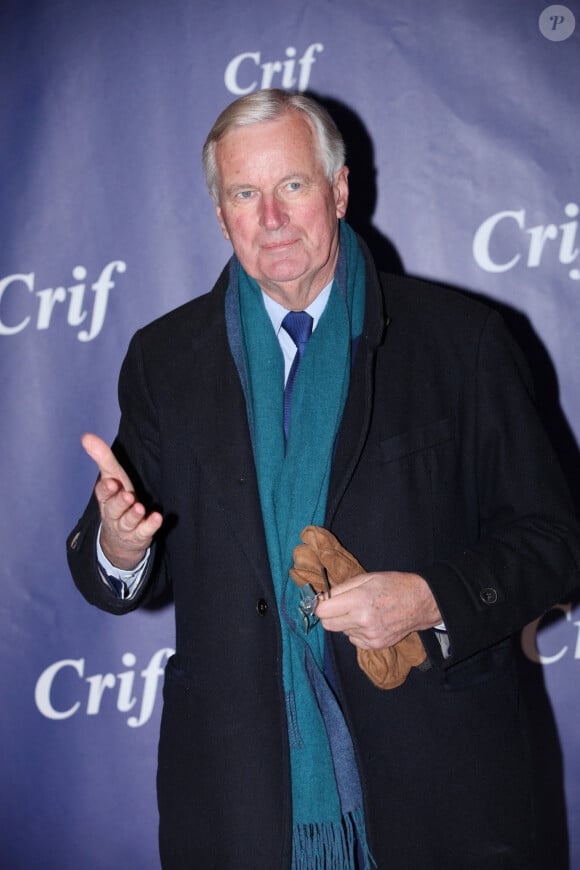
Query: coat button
column 262, row 607
column 488, row 596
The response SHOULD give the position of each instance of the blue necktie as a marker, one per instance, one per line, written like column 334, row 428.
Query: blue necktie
column 298, row 325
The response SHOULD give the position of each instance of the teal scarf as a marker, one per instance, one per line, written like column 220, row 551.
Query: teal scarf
column 293, row 484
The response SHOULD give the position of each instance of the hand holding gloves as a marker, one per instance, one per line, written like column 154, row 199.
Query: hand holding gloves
column 387, row 668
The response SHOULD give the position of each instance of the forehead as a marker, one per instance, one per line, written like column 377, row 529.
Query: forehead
column 284, row 146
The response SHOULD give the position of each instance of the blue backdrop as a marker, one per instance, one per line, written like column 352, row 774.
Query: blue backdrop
column 463, row 126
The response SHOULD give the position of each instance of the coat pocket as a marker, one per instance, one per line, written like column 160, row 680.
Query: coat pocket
column 418, row 439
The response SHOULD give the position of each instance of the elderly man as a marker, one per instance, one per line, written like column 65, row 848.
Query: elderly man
column 307, row 394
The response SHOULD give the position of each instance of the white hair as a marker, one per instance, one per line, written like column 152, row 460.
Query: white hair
column 269, row 105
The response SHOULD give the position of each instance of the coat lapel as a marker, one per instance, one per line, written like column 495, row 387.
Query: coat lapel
column 357, row 413
column 221, row 440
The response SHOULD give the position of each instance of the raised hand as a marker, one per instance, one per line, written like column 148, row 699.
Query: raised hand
column 127, row 530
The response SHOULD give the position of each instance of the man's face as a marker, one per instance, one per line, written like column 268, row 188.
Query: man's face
column 278, row 209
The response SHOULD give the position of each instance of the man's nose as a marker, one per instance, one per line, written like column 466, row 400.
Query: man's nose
column 273, row 215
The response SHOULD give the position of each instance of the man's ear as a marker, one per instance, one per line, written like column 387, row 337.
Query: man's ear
column 221, row 221
column 340, row 190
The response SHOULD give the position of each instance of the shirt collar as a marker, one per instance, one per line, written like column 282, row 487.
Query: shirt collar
column 277, row 312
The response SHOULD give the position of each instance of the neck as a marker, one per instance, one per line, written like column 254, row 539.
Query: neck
column 296, row 297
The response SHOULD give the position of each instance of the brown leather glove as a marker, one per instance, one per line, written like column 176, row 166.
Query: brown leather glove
column 387, row 668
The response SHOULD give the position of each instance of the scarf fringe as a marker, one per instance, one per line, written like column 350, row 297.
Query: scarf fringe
column 324, row 845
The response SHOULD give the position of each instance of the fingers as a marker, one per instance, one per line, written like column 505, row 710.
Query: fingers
column 132, row 528
column 346, row 598
column 353, row 582
column 341, row 612
column 379, row 610
column 103, row 456
column 363, row 609
column 127, row 531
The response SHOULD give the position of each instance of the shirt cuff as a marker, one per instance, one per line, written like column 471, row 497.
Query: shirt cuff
column 119, row 580
column 443, row 638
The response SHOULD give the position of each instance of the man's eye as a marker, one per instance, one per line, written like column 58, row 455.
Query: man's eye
column 294, row 185
column 244, row 194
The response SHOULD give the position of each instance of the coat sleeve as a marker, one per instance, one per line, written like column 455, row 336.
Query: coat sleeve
column 527, row 555
column 137, row 449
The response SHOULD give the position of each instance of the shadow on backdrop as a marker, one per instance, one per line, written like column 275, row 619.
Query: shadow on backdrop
column 362, row 179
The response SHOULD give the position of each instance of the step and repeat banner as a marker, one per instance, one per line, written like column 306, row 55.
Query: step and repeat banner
column 462, row 123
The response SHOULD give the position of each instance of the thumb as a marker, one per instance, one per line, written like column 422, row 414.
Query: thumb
column 103, row 456
column 349, row 584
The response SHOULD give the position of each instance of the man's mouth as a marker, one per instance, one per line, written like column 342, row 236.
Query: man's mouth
column 278, row 246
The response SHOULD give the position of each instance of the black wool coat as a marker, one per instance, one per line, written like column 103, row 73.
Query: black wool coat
column 441, row 468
